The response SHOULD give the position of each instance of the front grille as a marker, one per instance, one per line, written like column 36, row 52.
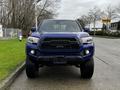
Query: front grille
column 60, row 43
column 61, row 39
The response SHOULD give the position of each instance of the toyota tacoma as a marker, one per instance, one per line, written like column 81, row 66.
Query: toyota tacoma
column 59, row 42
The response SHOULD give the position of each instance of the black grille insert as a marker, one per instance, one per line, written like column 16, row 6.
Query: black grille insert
column 60, row 43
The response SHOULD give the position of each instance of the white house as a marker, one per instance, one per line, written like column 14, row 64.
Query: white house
column 98, row 25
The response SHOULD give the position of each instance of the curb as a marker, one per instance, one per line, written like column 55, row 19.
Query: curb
column 10, row 79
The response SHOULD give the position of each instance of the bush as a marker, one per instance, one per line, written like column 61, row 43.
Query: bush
column 105, row 33
column 96, row 33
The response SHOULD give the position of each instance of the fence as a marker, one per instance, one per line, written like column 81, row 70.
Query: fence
column 10, row 32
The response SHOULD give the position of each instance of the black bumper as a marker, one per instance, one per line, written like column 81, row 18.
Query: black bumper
column 57, row 60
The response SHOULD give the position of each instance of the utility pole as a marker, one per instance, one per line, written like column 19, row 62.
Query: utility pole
column 94, row 26
column 36, row 16
column 36, row 21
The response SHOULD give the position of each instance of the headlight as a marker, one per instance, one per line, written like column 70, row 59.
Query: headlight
column 32, row 40
column 87, row 40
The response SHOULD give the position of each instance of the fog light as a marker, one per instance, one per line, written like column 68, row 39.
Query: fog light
column 32, row 52
column 87, row 51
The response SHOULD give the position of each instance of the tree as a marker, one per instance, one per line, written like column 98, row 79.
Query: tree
column 95, row 14
column 81, row 21
column 110, row 12
column 85, row 20
column 118, row 11
column 21, row 13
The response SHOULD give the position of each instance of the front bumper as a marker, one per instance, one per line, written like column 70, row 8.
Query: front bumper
column 49, row 60
column 59, row 58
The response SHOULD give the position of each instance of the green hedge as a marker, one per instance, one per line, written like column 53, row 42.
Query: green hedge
column 105, row 33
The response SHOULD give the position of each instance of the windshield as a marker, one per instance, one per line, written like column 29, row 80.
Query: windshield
column 59, row 26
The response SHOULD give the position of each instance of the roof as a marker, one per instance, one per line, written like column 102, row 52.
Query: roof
column 115, row 20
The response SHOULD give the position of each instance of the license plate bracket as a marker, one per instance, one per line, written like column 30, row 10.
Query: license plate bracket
column 59, row 60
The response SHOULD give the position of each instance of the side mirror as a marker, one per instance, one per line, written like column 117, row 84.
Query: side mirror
column 33, row 29
column 86, row 30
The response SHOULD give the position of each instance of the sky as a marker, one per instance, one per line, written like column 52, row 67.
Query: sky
column 72, row 9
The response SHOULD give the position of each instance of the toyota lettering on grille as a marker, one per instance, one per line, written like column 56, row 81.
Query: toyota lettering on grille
column 59, row 46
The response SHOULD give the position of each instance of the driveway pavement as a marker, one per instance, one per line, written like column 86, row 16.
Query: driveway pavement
column 106, row 75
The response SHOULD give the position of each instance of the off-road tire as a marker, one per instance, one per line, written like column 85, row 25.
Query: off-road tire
column 87, row 69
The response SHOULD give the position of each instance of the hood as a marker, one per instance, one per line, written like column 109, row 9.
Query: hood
column 60, row 34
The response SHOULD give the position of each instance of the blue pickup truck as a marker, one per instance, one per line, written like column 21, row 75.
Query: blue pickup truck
column 59, row 42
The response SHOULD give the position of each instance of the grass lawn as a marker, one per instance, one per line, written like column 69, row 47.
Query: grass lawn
column 12, row 54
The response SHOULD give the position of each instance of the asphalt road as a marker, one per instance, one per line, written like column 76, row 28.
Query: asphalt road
column 106, row 75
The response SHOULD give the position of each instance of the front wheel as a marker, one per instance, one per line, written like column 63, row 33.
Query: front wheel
column 87, row 69
column 31, row 69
